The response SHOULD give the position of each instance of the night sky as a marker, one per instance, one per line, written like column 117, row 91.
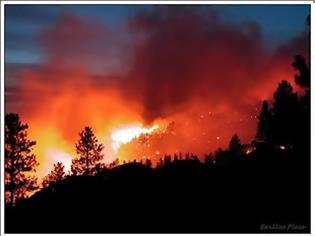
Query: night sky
column 24, row 23
column 206, row 68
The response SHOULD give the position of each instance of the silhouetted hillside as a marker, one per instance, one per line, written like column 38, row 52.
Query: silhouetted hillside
column 263, row 187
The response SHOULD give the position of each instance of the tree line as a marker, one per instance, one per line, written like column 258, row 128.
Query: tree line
column 20, row 162
column 284, row 125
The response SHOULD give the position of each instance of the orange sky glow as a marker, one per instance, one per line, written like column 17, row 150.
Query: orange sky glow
column 210, row 87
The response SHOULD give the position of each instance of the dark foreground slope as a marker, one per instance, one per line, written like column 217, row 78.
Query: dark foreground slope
column 260, row 192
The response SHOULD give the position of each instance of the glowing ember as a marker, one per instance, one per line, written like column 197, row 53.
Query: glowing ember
column 124, row 135
column 282, row 147
column 250, row 150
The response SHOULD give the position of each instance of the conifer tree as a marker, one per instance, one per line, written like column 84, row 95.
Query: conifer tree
column 89, row 153
column 57, row 174
column 19, row 160
column 264, row 125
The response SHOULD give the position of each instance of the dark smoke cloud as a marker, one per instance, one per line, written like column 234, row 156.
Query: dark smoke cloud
column 181, row 56
column 171, row 61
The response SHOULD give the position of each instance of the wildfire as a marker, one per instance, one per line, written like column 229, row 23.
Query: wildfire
column 249, row 149
column 126, row 134
column 55, row 155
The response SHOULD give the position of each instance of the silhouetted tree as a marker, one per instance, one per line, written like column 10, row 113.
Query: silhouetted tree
column 218, row 152
column 148, row 163
column 264, row 125
column 100, row 167
column 209, row 159
column 19, row 160
column 167, row 159
column 285, row 110
column 160, row 163
column 194, row 157
column 303, row 77
column 115, row 163
column 89, row 152
column 303, row 120
column 235, row 146
column 220, row 156
column 57, row 174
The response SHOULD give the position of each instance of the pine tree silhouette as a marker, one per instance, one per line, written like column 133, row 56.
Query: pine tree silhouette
column 99, row 168
column 19, row 160
column 264, row 125
column 55, row 175
column 148, row 163
column 89, row 153
column 285, row 110
column 235, row 146
column 303, row 77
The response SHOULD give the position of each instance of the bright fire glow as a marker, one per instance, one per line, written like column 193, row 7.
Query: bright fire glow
column 55, row 155
column 250, row 150
column 282, row 147
column 126, row 134
column 61, row 96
